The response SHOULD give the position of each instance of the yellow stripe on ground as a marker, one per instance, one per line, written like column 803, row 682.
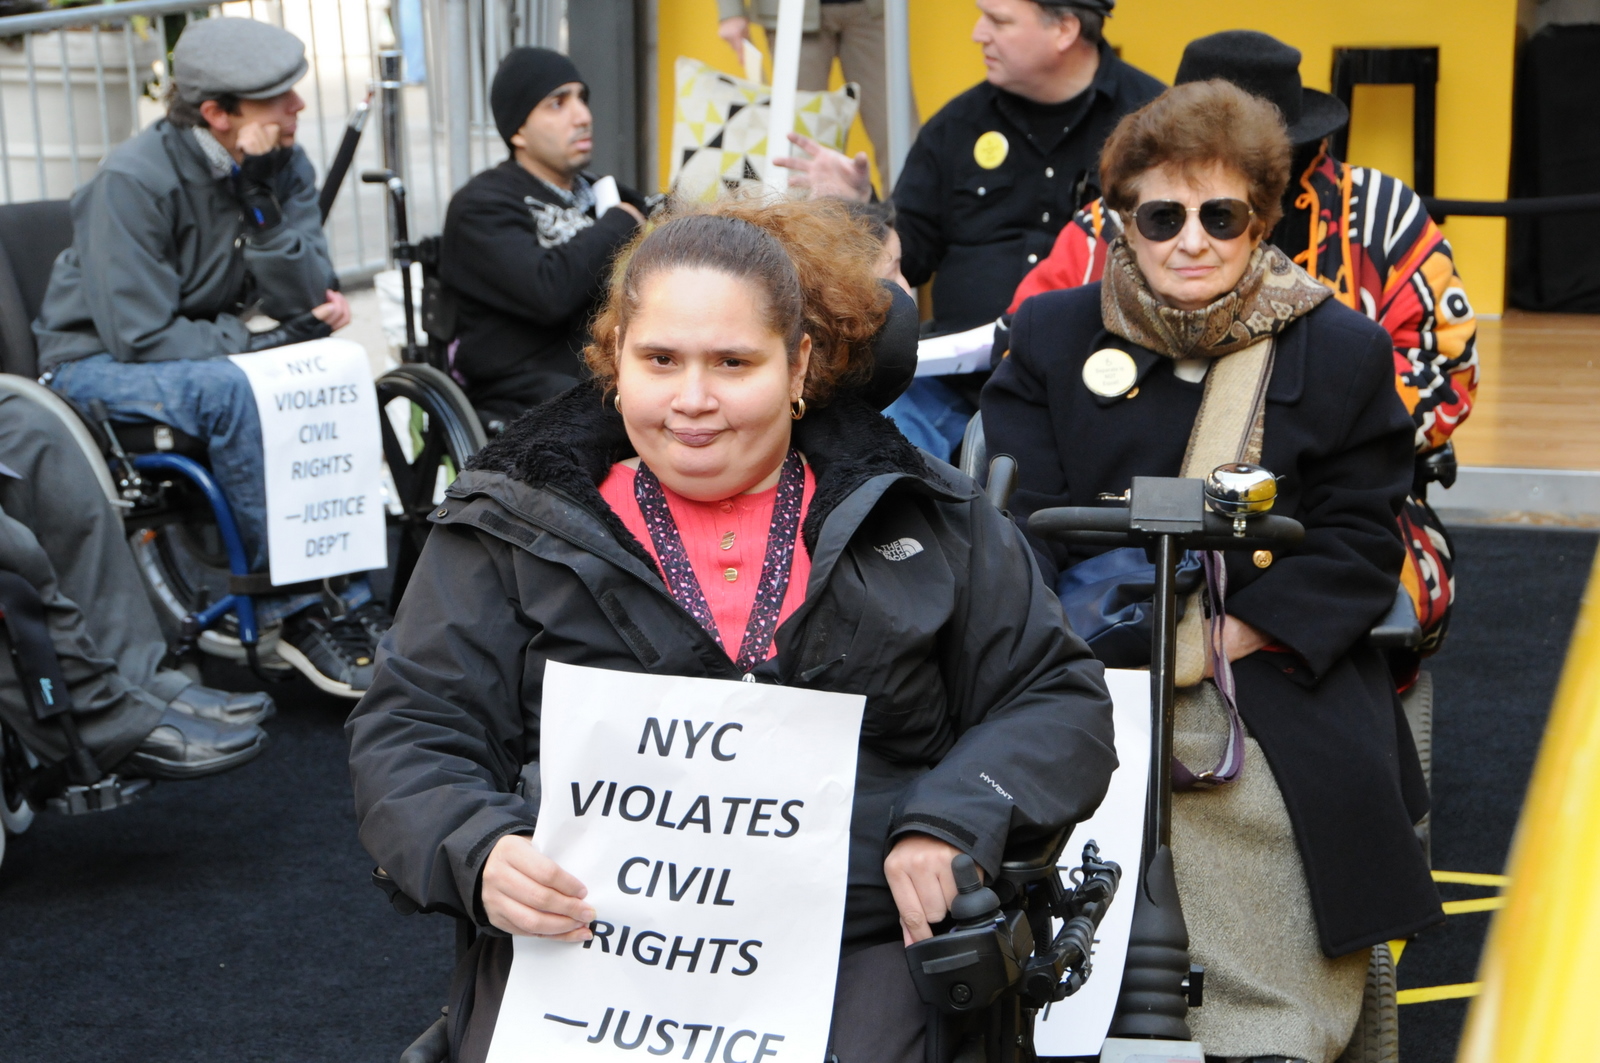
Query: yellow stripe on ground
column 1438, row 992
column 1476, row 904
column 1472, row 878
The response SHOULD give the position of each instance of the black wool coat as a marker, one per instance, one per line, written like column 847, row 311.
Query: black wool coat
column 1325, row 712
column 527, row 564
column 523, row 308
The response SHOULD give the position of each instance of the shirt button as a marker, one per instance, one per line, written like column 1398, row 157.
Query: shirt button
column 1049, row 171
column 730, row 574
column 727, row 541
column 726, row 507
column 1033, row 258
column 983, row 191
column 1046, row 216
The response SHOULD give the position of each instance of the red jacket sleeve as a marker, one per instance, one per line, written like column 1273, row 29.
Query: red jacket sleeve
column 1078, row 257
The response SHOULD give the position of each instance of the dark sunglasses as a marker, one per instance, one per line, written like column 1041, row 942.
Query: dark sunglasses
column 1160, row 220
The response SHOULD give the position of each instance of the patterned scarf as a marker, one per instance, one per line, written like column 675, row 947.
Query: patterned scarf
column 1272, row 293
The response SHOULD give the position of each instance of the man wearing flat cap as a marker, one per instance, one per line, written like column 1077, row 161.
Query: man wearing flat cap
column 187, row 230
column 993, row 177
column 1367, row 236
column 528, row 244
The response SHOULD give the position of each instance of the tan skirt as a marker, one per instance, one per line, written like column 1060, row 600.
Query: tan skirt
column 1269, row 990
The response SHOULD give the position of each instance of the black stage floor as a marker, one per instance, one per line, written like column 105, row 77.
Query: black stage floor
column 231, row 918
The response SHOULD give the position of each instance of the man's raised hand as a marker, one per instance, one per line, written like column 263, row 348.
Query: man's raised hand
column 258, row 138
column 827, row 172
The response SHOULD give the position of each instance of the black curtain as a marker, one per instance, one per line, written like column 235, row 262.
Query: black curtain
column 1555, row 260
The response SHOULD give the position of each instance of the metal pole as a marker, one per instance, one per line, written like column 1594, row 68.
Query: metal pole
column 390, row 70
column 1163, row 696
column 457, row 64
column 897, row 70
column 785, row 79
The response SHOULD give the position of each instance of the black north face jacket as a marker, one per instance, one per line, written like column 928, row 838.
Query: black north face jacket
column 968, row 667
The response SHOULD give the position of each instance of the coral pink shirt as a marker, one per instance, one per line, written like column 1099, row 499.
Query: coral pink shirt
column 726, row 542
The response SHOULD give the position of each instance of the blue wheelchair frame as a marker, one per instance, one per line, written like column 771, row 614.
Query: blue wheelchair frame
column 241, row 605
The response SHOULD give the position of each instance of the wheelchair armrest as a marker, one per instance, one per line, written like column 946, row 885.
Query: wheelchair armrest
column 1028, row 859
column 1399, row 628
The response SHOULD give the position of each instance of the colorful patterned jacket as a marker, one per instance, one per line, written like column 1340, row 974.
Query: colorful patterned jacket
column 1375, row 246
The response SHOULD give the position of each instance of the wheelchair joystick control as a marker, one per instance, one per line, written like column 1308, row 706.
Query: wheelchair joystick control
column 975, row 904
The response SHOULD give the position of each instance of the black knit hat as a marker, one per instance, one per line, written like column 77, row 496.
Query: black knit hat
column 1264, row 66
column 1101, row 6
column 526, row 76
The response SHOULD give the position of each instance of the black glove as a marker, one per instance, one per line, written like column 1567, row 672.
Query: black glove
column 295, row 330
column 252, row 186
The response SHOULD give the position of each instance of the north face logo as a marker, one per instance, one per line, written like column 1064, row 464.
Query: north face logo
column 900, row 549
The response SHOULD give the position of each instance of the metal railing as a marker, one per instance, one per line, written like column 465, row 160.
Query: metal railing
column 75, row 83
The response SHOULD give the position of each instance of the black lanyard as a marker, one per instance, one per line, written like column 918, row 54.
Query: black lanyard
column 685, row 586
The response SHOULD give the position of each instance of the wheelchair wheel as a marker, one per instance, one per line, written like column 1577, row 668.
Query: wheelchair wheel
column 1377, row 1034
column 1418, row 705
column 16, row 815
column 429, row 431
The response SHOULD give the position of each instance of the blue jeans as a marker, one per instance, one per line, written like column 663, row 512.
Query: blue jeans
column 932, row 416
column 210, row 399
column 207, row 398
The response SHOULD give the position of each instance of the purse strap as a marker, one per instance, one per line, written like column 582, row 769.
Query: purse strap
column 1232, row 761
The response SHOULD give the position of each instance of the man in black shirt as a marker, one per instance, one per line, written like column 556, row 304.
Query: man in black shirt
column 528, row 244
column 997, row 172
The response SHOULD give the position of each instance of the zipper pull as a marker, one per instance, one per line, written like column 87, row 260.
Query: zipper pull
column 749, row 677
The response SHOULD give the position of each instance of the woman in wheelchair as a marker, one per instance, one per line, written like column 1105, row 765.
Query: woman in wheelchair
column 721, row 502
column 1204, row 345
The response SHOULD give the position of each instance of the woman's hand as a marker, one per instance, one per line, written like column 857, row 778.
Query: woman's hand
column 918, row 870
column 1239, row 639
column 525, row 892
column 735, row 31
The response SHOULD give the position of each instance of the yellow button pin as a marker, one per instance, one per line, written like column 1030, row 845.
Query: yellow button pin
column 991, row 149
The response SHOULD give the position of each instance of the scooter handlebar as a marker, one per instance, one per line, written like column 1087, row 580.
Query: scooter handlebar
column 1103, row 526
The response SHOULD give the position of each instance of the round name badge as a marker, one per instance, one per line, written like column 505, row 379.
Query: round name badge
column 1110, row 372
column 991, row 149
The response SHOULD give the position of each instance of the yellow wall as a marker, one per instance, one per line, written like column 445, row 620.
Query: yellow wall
column 1476, row 40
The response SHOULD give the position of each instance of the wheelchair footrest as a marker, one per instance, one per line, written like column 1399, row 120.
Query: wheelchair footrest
column 110, row 792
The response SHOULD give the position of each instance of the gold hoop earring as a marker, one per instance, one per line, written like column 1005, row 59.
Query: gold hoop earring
column 797, row 408
column 616, row 401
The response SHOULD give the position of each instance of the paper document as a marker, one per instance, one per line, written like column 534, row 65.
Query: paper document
column 1077, row 1025
column 324, row 459
column 710, row 822
column 959, row 352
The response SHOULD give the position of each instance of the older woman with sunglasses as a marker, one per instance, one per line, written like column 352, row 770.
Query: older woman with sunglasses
column 1205, row 345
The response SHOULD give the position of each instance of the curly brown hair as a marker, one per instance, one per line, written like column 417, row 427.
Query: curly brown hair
column 812, row 260
column 1192, row 126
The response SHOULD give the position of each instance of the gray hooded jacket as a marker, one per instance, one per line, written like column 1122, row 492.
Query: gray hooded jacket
column 162, row 264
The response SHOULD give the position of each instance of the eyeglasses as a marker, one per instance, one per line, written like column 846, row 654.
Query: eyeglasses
column 1159, row 220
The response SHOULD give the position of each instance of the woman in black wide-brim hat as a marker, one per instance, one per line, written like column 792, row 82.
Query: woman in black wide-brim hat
column 1293, row 843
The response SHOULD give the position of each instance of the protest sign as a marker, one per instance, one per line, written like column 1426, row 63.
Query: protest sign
column 1077, row 1025
column 710, row 822
column 324, row 459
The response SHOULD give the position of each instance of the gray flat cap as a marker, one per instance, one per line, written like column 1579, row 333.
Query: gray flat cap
column 236, row 56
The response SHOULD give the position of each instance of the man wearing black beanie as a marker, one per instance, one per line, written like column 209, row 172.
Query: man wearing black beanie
column 528, row 244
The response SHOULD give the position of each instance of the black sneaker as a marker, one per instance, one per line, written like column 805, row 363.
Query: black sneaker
column 374, row 617
column 337, row 655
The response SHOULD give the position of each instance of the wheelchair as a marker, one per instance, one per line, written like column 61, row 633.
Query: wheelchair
column 179, row 525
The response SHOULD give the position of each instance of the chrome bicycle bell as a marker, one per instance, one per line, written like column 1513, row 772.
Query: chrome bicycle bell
column 1240, row 490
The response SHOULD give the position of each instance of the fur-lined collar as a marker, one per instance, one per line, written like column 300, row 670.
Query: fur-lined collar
column 571, row 442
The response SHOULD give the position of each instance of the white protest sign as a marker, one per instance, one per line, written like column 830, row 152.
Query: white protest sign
column 710, row 822
column 1077, row 1025
column 324, row 458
